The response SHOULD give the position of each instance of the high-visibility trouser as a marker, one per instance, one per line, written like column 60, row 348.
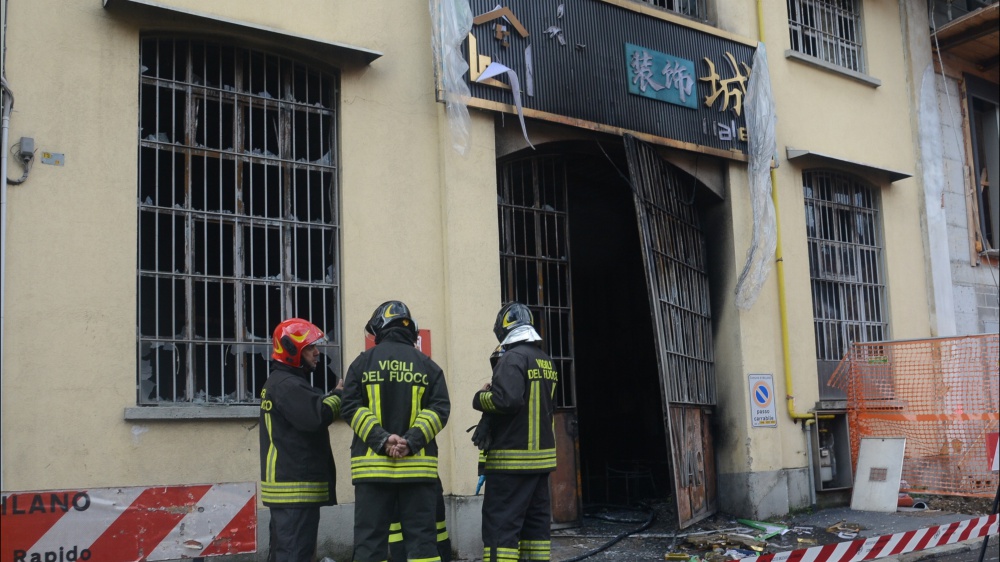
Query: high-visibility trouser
column 516, row 517
column 397, row 550
column 373, row 507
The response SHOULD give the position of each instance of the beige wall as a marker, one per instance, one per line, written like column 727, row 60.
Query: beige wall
column 826, row 112
column 419, row 224
column 71, row 254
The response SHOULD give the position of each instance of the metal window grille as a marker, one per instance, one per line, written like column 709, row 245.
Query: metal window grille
column 676, row 269
column 844, row 234
column 694, row 9
column 238, row 217
column 829, row 30
column 534, row 256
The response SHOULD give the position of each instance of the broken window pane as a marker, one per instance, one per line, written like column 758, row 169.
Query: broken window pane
column 828, row 30
column 534, row 256
column 845, row 261
column 691, row 8
column 233, row 235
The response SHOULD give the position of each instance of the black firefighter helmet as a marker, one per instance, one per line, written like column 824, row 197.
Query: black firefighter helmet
column 389, row 314
column 512, row 315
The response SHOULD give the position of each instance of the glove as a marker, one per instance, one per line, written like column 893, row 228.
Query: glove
column 482, row 437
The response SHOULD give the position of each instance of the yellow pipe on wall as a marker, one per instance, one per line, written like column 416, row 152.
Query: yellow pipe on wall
column 786, row 354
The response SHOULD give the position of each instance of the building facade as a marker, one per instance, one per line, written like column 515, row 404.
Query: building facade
column 953, row 56
column 193, row 173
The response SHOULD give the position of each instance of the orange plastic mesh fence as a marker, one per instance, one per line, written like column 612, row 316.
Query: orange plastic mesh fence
column 940, row 394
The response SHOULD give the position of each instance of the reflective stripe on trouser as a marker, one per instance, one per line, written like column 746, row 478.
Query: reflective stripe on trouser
column 397, row 552
column 373, row 509
column 293, row 534
column 534, row 550
column 516, row 514
column 295, row 492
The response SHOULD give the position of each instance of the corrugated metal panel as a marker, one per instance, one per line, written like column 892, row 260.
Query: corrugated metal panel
column 580, row 69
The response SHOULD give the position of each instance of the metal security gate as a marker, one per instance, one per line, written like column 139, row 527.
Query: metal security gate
column 534, row 269
column 674, row 257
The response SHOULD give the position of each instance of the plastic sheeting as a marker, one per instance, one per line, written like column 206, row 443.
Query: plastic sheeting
column 761, row 120
column 452, row 22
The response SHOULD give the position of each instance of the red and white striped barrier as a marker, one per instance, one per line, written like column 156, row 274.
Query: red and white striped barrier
column 129, row 524
column 888, row 545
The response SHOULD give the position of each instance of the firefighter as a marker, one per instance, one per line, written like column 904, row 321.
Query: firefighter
column 396, row 401
column 296, row 462
column 518, row 442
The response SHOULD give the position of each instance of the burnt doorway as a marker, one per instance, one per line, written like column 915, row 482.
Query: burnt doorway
column 571, row 247
column 675, row 260
column 623, row 446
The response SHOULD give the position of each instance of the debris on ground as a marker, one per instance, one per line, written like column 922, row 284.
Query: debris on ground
column 803, row 540
column 957, row 504
column 845, row 530
column 724, row 538
column 769, row 529
column 904, row 500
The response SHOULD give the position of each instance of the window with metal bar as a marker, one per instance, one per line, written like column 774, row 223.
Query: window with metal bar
column 694, row 9
column 238, row 218
column 829, row 30
column 534, row 256
column 844, row 234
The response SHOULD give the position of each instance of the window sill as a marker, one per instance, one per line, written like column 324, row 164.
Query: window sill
column 192, row 413
column 818, row 63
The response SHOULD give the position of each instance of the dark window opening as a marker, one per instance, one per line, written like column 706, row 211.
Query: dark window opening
column 694, row 9
column 844, row 237
column 829, row 30
column 237, row 211
column 985, row 118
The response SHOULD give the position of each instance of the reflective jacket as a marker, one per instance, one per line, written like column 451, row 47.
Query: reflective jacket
column 521, row 399
column 296, row 461
column 393, row 388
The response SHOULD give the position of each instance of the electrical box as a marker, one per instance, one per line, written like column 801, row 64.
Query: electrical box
column 831, row 443
column 26, row 148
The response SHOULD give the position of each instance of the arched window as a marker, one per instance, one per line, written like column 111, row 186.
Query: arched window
column 238, row 217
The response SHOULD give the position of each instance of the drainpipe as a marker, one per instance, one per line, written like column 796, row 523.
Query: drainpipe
column 8, row 103
column 786, row 353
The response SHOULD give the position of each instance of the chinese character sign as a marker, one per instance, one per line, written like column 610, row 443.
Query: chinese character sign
column 661, row 76
column 729, row 91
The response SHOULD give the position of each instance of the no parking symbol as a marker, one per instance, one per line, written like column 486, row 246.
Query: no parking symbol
column 763, row 412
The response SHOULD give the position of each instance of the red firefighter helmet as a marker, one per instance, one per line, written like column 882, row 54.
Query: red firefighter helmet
column 291, row 337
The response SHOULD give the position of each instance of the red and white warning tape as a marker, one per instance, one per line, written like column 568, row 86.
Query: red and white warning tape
column 129, row 524
column 888, row 545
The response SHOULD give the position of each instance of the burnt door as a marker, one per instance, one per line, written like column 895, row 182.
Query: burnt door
column 674, row 259
column 535, row 270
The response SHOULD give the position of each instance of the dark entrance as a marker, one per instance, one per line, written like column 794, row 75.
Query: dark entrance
column 623, row 448
column 572, row 249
